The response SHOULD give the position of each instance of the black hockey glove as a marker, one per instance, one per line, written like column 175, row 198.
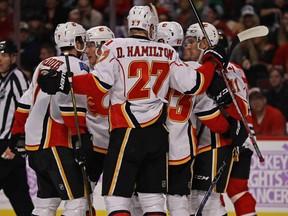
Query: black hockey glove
column 218, row 91
column 237, row 132
column 51, row 81
column 84, row 152
column 217, row 55
column 17, row 145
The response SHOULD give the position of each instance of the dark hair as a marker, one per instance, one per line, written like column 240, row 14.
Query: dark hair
column 50, row 47
column 279, row 69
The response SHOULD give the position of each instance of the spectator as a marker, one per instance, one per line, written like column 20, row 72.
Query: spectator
column 184, row 15
column 30, row 6
column 89, row 16
column 163, row 14
column 277, row 95
column 6, row 21
column 280, row 35
column 54, row 14
column 270, row 13
column 122, row 8
column 243, row 55
column 248, row 18
column 214, row 15
column 254, row 55
column 122, row 30
column 267, row 120
column 47, row 50
column 280, row 58
column 74, row 16
column 100, row 5
column 29, row 49
column 37, row 28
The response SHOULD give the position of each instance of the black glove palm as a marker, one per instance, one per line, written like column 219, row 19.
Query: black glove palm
column 218, row 91
column 17, row 145
column 84, row 152
column 51, row 81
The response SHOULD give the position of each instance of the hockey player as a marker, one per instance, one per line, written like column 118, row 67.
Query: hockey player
column 212, row 147
column 49, row 123
column 97, row 117
column 237, row 189
column 137, row 72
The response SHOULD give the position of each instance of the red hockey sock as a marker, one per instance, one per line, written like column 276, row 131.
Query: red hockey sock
column 93, row 212
column 120, row 213
column 244, row 202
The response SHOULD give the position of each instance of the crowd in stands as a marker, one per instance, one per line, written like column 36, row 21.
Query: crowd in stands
column 264, row 59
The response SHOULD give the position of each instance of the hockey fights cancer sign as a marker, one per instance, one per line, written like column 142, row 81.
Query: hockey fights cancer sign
column 269, row 180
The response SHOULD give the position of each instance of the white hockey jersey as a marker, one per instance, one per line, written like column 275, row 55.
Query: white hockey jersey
column 50, row 118
column 98, row 123
column 238, row 83
column 138, row 74
column 182, row 139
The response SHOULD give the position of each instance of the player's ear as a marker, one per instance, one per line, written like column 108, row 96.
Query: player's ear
column 13, row 59
column 204, row 44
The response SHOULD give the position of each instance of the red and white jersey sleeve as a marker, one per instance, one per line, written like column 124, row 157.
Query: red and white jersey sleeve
column 210, row 137
column 207, row 120
column 51, row 117
column 138, row 73
column 97, row 120
column 238, row 83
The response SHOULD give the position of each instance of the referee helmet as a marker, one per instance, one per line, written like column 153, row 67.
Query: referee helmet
column 8, row 46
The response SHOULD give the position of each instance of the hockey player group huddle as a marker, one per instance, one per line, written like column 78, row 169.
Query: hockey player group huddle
column 156, row 127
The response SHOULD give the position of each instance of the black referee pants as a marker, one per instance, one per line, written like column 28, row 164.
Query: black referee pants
column 13, row 181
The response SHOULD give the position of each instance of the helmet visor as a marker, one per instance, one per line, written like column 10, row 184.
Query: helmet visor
column 80, row 43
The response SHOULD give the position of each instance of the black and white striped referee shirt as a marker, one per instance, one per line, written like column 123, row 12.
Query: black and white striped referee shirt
column 12, row 88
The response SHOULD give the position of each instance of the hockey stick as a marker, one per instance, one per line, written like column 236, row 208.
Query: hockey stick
column 210, row 189
column 215, row 180
column 83, row 168
column 258, row 31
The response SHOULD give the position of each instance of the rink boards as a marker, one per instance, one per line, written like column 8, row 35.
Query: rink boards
column 268, row 182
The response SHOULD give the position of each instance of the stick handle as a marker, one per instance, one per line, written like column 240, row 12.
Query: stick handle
column 234, row 43
column 83, row 168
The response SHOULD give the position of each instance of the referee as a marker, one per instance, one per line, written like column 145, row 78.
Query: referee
column 13, row 178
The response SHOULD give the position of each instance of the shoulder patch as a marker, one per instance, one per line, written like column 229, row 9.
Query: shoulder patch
column 83, row 66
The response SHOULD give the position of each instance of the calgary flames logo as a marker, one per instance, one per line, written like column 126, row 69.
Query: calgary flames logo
column 91, row 105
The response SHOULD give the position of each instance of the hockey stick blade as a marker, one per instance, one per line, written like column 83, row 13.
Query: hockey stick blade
column 258, row 31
